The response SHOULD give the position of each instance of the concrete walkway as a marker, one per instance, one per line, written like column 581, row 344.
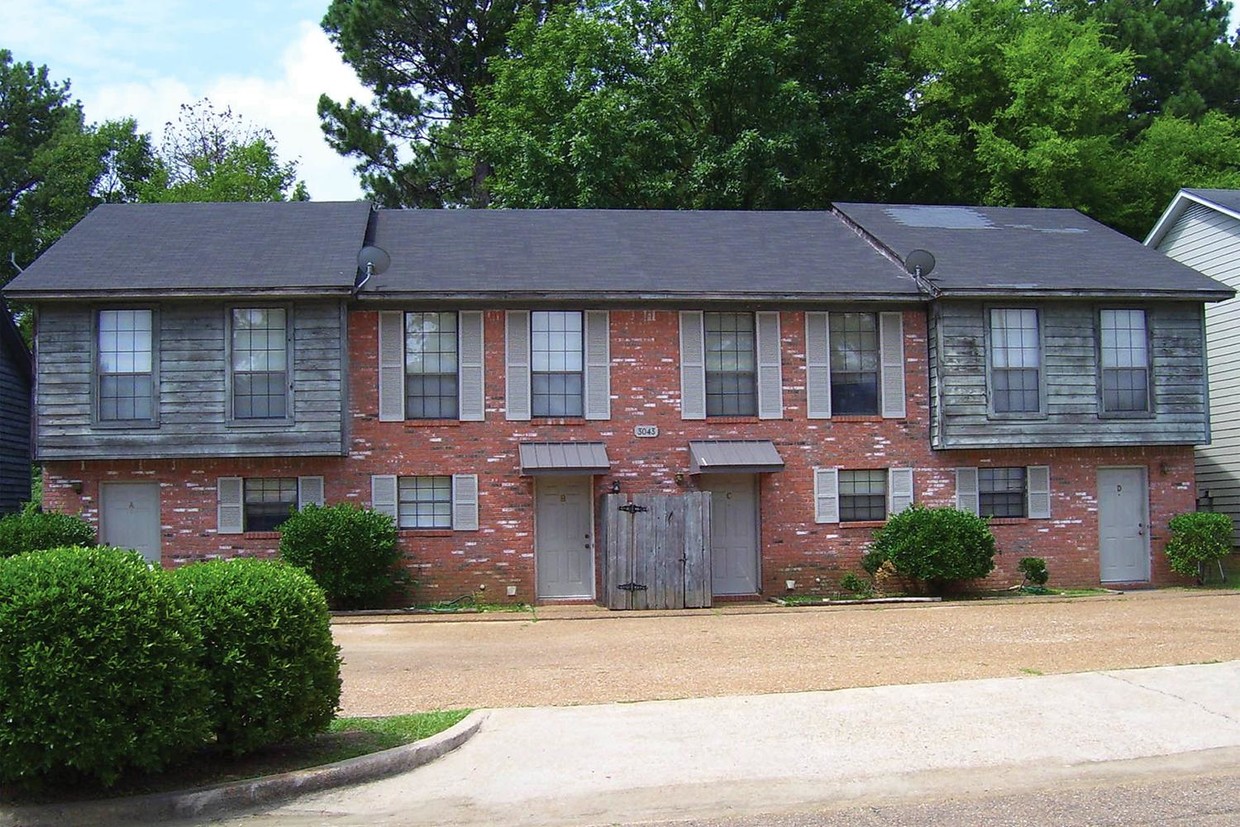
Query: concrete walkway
column 715, row 757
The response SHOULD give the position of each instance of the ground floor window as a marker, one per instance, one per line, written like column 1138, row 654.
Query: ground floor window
column 425, row 502
column 1001, row 492
column 863, row 495
column 269, row 502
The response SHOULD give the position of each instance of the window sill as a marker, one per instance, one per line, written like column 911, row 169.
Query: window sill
column 1017, row 417
column 125, row 425
column 738, row 420
column 863, row 524
column 426, row 532
column 261, row 535
column 432, row 423
column 861, row 418
column 272, row 424
column 558, row 420
column 1008, row 520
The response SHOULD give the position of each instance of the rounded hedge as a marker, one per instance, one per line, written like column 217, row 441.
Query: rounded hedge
column 270, row 659
column 100, row 668
column 34, row 530
column 350, row 552
column 936, row 546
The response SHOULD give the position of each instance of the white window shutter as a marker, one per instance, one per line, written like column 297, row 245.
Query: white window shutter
column 517, row 361
column 383, row 495
column 598, row 365
column 309, row 491
column 891, row 345
column 966, row 490
column 1038, row 482
column 692, row 365
column 899, row 489
column 465, row 502
column 817, row 366
column 230, row 514
column 770, row 369
column 391, row 366
column 471, row 392
column 826, row 495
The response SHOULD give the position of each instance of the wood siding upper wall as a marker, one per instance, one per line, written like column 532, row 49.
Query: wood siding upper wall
column 14, row 435
column 192, row 402
column 1070, row 380
column 1209, row 241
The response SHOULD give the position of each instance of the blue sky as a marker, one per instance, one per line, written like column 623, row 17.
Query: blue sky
column 266, row 59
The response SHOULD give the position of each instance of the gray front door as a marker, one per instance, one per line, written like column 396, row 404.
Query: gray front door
column 130, row 517
column 1123, row 508
column 733, row 532
column 564, row 539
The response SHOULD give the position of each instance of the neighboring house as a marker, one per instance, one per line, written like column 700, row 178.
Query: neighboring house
column 1201, row 228
column 16, row 377
column 538, row 397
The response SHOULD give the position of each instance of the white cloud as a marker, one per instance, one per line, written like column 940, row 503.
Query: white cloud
column 285, row 104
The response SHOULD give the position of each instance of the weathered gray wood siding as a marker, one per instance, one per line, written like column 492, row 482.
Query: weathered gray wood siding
column 1071, row 380
column 193, row 417
column 1209, row 241
column 14, row 432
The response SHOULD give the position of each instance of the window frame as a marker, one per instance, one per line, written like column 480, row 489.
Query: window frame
column 1149, row 412
column 535, row 394
column 229, row 371
column 834, row 372
column 982, row 492
column 97, row 374
column 883, row 475
column 456, row 374
column 707, row 372
column 245, row 500
column 451, row 502
column 1041, row 412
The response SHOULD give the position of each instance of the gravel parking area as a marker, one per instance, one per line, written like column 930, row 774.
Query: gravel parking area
column 566, row 655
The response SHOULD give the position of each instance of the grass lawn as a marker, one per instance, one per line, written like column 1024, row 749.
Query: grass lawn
column 347, row 738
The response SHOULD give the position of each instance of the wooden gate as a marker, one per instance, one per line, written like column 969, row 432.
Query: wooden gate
column 657, row 551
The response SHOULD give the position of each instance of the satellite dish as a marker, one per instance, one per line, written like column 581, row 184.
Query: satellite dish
column 371, row 261
column 919, row 263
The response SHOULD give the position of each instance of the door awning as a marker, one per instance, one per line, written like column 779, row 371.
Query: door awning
column 563, row 458
column 740, row 456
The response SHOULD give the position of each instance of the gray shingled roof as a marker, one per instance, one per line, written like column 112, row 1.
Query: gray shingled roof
column 610, row 254
column 982, row 251
column 1227, row 199
column 132, row 249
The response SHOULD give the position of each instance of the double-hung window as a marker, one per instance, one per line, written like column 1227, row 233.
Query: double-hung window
column 731, row 364
column 863, row 495
column 1125, row 360
column 262, row 503
column 437, row 501
column 1015, row 361
column 431, row 390
column 260, row 362
column 557, row 363
column 853, row 496
column 126, row 366
column 854, row 363
column 1001, row 492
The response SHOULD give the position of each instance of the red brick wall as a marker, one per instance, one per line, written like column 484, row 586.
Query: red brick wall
column 645, row 383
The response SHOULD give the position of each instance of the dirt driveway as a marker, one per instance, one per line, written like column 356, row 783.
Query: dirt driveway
column 578, row 655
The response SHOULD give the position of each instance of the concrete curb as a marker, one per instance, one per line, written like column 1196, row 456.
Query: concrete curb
column 224, row 799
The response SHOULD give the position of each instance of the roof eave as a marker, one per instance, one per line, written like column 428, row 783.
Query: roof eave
column 156, row 293
column 1087, row 293
column 637, row 297
column 1175, row 209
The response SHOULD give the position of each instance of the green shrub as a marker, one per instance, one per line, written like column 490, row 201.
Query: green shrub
column 33, row 530
column 273, row 668
column 1198, row 538
column 853, row 584
column 936, row 546
column 100, row 668
column 1034, row 570
column 350, row 552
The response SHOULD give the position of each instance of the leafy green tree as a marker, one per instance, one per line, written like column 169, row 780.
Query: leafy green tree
column 210, row 155
column 1186, row 62
column 54, row 167
column 737, row 104
column 1013, row 105
column 425, row 60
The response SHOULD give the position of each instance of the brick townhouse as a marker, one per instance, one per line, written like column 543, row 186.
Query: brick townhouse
column 509, row 384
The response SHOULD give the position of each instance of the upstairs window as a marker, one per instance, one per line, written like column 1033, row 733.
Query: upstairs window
column 1125, row 362
column 126, row 366
column 854, row 363
column 431, row 387
column 1015, row 361
column 260, row 346
column 557, row 363
column 1001, row 492
column 731, row 364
